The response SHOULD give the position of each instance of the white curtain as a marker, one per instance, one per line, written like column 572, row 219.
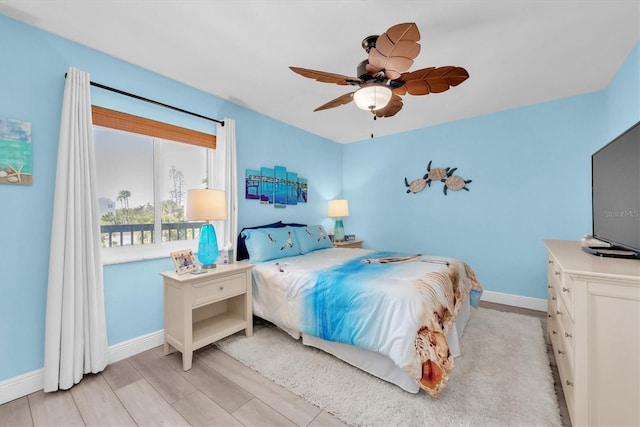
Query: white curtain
column 225, row 177
column 75, row 332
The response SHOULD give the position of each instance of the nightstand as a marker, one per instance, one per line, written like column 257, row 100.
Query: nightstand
column 349, row 244
column 204, row 308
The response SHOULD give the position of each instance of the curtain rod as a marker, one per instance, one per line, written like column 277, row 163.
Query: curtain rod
column 121, row 92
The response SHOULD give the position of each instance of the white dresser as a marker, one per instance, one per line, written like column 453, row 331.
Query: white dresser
column 594, row 326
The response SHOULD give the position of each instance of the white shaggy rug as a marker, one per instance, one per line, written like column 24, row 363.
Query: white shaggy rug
column 502, row 378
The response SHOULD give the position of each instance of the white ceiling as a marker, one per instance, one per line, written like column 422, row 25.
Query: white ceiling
column 516, row 52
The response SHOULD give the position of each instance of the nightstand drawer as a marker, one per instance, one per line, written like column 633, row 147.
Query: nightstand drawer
column 213, row 290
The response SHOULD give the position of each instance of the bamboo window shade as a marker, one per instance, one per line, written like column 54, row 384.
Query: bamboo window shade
column 140, row 125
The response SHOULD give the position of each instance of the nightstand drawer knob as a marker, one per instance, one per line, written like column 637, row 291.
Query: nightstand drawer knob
column 565, row 289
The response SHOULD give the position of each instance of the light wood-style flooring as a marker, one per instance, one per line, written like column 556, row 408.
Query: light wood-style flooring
column 151, row 389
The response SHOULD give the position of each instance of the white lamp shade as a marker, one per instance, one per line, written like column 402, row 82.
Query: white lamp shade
column 206, row 205
column 338, row 208
column 372, row 97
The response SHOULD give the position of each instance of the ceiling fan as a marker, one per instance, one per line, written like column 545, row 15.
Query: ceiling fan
column 382, row 78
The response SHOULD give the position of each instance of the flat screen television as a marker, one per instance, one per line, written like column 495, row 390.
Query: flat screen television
column 615, row 187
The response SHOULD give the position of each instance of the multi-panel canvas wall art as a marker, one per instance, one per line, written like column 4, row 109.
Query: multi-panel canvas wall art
column 15, row 152
column 275, row 186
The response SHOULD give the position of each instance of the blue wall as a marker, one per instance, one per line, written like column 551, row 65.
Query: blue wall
column 530, row 175
column 31, row 87
column 529, row 168
column 531, row 172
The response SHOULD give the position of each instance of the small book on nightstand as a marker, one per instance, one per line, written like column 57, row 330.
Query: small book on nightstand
column 348, row 244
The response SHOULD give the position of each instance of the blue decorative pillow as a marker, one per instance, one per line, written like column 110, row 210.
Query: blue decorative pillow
column 242, row 248
column 264, row 244
column 312, row 238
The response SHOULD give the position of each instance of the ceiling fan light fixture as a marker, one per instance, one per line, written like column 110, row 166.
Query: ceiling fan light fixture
column 372, row 97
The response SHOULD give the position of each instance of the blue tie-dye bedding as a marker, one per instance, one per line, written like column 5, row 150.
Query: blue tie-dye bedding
column 396, row 304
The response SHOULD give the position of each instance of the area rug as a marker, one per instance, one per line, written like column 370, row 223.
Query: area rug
column 502, row 378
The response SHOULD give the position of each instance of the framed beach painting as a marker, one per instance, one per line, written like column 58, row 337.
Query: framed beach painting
column 15, row 152
column 275, row 186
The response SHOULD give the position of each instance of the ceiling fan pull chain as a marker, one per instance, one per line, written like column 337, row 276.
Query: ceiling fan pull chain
column 374, row 119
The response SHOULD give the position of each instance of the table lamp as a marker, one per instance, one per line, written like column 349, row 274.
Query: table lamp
column 338, row 209
column 207, row 205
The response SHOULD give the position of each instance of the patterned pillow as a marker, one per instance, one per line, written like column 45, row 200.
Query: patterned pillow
column 242, row 248
column 312, row 238
column 264, row 244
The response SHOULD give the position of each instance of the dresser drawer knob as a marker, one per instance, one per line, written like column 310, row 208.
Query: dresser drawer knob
column 560, row 352
column 550, row 261
column 554, row 298
column 565, row 289
column 222, row 287
column 549, row 316
column 548, row 286
column 554, row 332
column 557, row 273
column 568, row 335
column 569, row 383
column 558, row 312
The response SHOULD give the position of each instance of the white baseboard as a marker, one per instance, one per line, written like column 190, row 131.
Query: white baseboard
column 22, row 385
column 33, row 381
column 515, row 300
column 28, row 383
column 135, row 346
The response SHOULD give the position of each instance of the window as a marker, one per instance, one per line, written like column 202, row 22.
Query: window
column 142, row 181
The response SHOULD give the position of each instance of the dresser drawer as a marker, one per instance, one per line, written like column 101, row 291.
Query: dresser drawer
column 565, row 341
column 566, row 325
column 212, row 290
column 567, row 378
column 553, row 272
column 565, row 292
column 552, row 308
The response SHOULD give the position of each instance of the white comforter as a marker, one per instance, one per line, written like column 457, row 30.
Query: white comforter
column 400, row 306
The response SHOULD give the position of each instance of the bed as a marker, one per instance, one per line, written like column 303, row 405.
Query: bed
column 397, row 316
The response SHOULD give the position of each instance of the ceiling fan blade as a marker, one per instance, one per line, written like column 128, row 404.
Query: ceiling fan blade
column 406, row 31
column 324, row 77
column 433, row 79
column 341, row 100
column 395, row 50
column 400, row 90
column 394, row 105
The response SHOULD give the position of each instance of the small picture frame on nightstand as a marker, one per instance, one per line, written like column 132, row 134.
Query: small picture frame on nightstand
column 183, row 261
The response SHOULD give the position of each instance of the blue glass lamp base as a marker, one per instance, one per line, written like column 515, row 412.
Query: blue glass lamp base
column 338, row 231
column 208, row 246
